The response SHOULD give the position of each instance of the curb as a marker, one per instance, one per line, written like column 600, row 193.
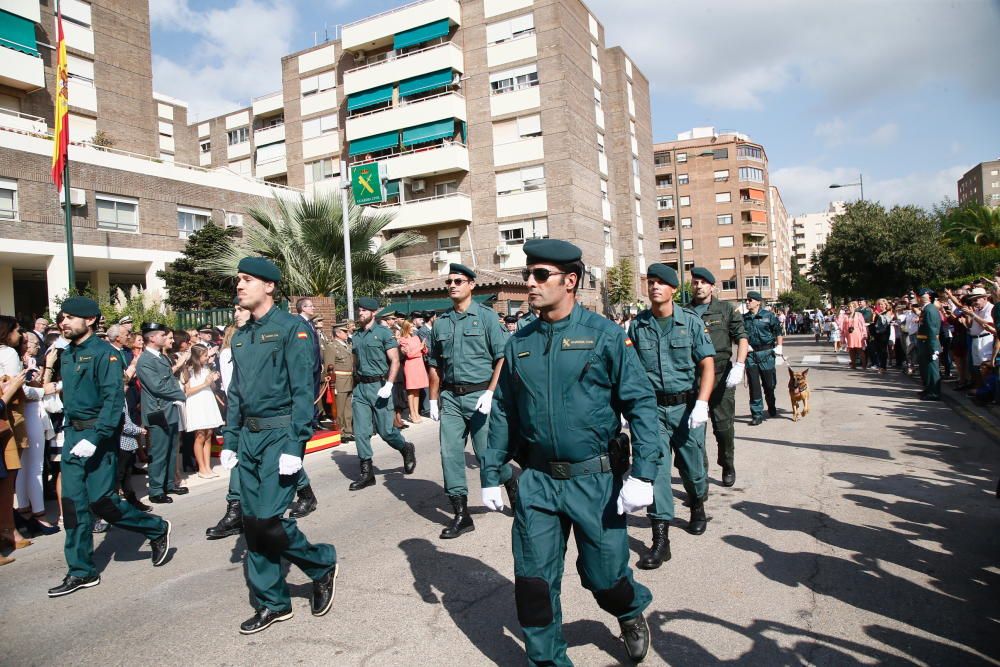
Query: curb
column 986, row 421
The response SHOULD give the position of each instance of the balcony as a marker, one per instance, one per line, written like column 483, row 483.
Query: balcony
column 379, row 30
column 324, row 144
column 427, row 161
column 453, row 207
column 15, row 120
column 272, row 167
column 321, row 101
column 523, row 150
column 521, row 203
column 426, row 110
column 269, row 103
column 520, row 48
column 269, row 135
column 515, row 101
column 22, row 71
column 404, row 66
column 238, row 150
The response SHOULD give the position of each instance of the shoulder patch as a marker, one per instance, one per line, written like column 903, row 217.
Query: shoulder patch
column 628, row 341
column 112, row 358
column 301, row 334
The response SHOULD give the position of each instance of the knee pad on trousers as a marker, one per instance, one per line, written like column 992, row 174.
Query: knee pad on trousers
column 534, row 606
column 69, row 514
column 105, row 508
column 265, row 536
column 616, row 600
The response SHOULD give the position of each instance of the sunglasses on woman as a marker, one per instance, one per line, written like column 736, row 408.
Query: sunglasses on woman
column 540, row 275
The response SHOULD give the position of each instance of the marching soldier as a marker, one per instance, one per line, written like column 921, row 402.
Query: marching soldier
column 566, row 379
column 376, row 355
column 725, row 329
column 929, row 346
column 343, row 369
column 268, row 423
column 764, row 333
column 465, row 359
column 93, row 398
column 678, row 357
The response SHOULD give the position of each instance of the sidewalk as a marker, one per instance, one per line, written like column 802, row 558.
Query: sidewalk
column 984, row 417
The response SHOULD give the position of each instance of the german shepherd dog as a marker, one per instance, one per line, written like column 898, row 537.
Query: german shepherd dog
column 798, row 391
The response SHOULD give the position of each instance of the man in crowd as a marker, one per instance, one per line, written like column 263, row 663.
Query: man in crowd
column 678, row 357
column 306, row 501
column 510, row 323
column 39, row 333
column 343, row 368
column 928, row 339
column 466, row 355
column 980, row 311
column 764, row 333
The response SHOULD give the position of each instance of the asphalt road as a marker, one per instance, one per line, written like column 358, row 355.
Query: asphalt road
column 865, row 534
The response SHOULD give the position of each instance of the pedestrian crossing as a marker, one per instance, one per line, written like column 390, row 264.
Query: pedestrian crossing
column 820, row 360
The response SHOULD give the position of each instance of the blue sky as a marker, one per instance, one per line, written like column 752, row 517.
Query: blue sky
column 904, row 91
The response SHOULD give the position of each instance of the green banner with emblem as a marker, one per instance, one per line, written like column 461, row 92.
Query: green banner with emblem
column 366, row 184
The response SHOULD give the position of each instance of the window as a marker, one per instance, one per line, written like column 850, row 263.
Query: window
column 318, row 83
column 727, row 264
column 205, row 146
column 682, row 157
column 315, row 127
column 752, row 174
column 749, row 152
column 994, row 172
column 604, row 189
column 720, row 154
column 240, row 135
column 723, row 197
column 667, row 223
column 729, row 285
column 664, row 202
column 721, row 175
column 514, row 79
column 688, row 244
column 8, row 199
column 190, row 220
column 271, row 152
column 515, row 129
column 635, row 166
column 685, row 200
column 597, row 97
column 449, row 240
column 117, row 214
column 512, row 235
column 520, row 180
column 505, row 31
column 725, row 241
column 664, row 181
column 446, row 188
column 660, row 159
column 600, row 143
column 320, row 170
column 668, row 246
column 725, row 219
column 274, row 121
column 685, row 222
column 757, row 282
column 166, row 129
column 682, row 179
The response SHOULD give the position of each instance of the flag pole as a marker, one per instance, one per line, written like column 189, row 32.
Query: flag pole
column 70, row 264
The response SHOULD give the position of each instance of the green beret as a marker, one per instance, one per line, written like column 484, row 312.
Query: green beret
column 551, row 251
column 665, row 273
column 755, row 296
column 368, row 303
column 81, row 306
column 259, row 268
column 463, row 269
column 703, row 273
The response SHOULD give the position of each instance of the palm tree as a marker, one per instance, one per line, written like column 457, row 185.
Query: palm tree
column 979, row 225
column 305, row 239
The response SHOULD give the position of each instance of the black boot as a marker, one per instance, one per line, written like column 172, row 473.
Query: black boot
column 511, row 486
column 305, row 504
column 660, row 552
column 635, row 633
column 134, row 501
column 462, row 523
column 772, row 411
column 367, row 476
column 699, row 522
column 231, row 522
column 409, row 458
column 728, row 475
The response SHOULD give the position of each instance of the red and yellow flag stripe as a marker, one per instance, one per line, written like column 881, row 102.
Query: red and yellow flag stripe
column 60, row 144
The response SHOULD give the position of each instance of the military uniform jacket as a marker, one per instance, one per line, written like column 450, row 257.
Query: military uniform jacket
column 465, row 346
column 725, row 329
column 273, row 361
column 370, row 346
column 93, row 376
column 526, row 320
column 671, row 357
column 762, row 329
column 929, row 329
column 561, row 391
column 159, row 386
column 343, row 363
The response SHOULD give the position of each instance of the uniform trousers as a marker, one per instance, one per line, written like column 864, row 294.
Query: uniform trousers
column 930, row 370
column 373, row 415
column 687, row 447
column 722, row 410
column 345, row 416
column 162, row 458
column 761, row 373
column 459, row 421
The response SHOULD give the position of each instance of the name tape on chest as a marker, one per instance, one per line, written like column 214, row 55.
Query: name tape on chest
column 521, row 355
column 578, row 344
column 268, row 337
column 84, row 359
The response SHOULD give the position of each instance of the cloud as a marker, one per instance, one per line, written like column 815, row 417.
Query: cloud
column 836, row 133
column 833, row 132
column 234, row 52
column 884, row 135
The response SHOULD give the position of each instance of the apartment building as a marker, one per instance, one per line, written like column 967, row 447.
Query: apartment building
column 981, row 184
column 782, row 241
column 491, row 121
column 714, row 209
column 810, row 232
column 133, row 201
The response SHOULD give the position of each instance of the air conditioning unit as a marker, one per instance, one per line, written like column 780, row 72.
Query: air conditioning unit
column 503, row 250
column 77, row 197
column 439, row 256
column 418, row 185
column 234, row 220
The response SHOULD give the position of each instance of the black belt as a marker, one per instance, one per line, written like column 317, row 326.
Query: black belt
column 668, row 400
column 982, row 335
column 368, row 379
column 763, row 348
column 256, row 424
column 82, row 424
column 463, row 389
column 567, row 469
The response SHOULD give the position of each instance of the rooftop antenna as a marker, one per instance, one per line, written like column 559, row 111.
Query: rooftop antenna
column 326, row 34
column 315, row 37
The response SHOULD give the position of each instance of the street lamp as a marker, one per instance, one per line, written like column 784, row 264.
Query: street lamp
column 860, row 183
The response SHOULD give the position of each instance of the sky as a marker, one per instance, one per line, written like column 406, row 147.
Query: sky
column 905, row 93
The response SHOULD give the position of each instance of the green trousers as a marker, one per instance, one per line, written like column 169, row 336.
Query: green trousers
column 722, row 409
column 234, row 484
column 930, row 370
column 89, row 492
column 373, row 415
column 265, row 495
column 687, row 447
column 459, row 421
column 547, row 511
column 162, row 458
column 761, row 379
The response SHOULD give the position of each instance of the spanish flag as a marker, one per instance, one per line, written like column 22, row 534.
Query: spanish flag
column 60, row 144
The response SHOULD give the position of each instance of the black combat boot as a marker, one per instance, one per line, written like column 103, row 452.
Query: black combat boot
column 409, row 458
column 635, row 633
column 367, row 476
column 660, row 552
column 462, row 523
column 511, row 486
column 231, row 522
column 134, row 501
column 305, row 504
column 699, row 522
column 728, row 475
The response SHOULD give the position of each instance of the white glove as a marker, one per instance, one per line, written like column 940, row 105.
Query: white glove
column 635, row 495
column 699, row 415
column 84, row 449
column 935, row 356
column 485, row 402
column 385, row 391
column 779, row 357
column 228, row 459
column 492, row 498
column 778, row 352
column 288, row 464
column 435, row 411
column 735, row 374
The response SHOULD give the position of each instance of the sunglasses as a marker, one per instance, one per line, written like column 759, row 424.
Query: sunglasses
column 455, row 281
column 540, row 275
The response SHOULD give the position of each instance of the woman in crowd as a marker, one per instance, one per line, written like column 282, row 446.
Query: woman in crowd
column 38, row 428
column 835, row 328
column 855, row 336
column 414, row 373
column 882, row 333
column 202, row 414
column 12, row 378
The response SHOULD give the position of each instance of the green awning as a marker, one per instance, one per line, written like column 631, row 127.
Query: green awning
column 421, row 34
column 406, row 307
column 18, row 33
column 376, row 142
column 392, row 188
column 421, row 134
column 370, row 97
column 425, row 82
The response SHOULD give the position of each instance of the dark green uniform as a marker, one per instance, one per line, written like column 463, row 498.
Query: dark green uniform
column 670, row 349
column 269, row 414
column 371, row 413
column 725, row 329
column 929, row 342
column 93, row 398
column 561, row 391
column 526, row 320
column 763, row 331
column 159, row 391
column 464, row 348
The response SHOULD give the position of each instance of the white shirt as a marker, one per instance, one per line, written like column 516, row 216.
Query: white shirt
column 10, row 361
column 226, row 368
column 976, row 329
column 911, row 323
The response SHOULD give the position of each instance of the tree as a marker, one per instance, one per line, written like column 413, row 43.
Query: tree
column 620, row 284
column 191, row 287
column 304, row 238
column 804, row 294
column 972, row 232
